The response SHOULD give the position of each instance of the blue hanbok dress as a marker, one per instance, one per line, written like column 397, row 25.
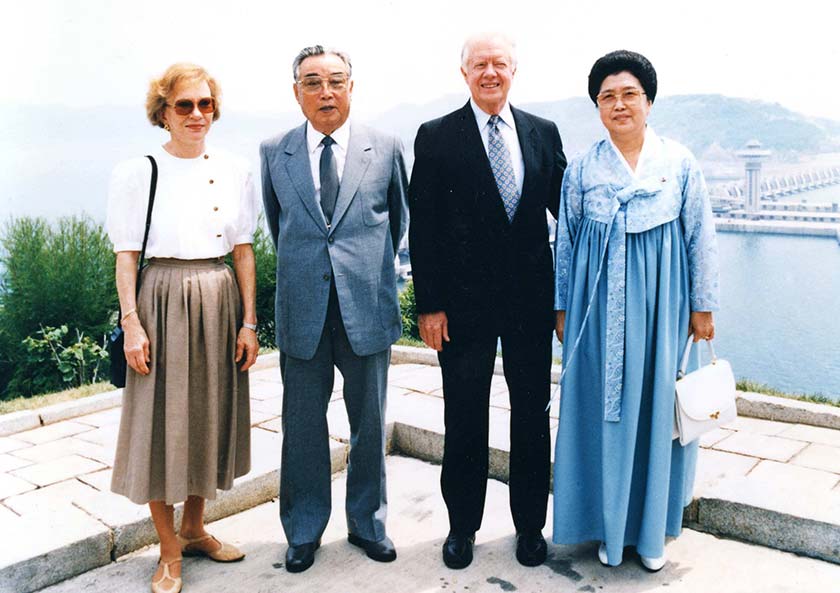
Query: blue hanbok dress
column 635, row 253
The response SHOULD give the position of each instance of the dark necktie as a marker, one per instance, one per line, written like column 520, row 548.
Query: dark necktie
column 329, row 179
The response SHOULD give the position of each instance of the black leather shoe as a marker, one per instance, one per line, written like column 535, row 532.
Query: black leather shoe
column 530, row 548
column 299, row 558
column 381, row 551
column 458, row 550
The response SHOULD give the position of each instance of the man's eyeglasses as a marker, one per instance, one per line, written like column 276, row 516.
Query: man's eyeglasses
column 187, row 106
column 313, row 84
column 629, row 97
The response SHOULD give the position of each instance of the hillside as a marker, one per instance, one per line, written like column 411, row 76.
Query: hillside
column 56, row 160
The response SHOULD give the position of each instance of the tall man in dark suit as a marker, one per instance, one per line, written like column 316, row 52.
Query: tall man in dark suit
column 484, row 177
column 334, row 194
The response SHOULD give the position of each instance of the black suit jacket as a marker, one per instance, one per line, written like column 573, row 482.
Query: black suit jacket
column 467, row 259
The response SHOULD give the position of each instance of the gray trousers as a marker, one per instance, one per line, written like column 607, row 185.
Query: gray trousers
column 305, row 500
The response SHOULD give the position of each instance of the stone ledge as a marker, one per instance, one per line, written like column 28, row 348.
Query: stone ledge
column 768, row 528
column 782, row 409
column 720, row 516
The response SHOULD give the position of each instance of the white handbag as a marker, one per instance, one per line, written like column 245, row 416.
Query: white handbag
column 705, row 398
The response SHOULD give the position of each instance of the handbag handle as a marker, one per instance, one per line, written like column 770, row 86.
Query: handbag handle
column 152, row 190
column 687, row 351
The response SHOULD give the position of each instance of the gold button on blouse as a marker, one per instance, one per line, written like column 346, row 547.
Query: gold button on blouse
column 206, row 156
column 211, row 181
column 218, row 236
column 215, row 208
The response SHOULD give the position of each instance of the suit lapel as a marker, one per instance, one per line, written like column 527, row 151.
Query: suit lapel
column 300, row 172
column 528, row 142
column 355, row 165
column 477, row 163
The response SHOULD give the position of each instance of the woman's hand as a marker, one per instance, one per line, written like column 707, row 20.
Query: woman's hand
column 136, row 347
column 701, row 325
column 560, row 324
column 247, row 348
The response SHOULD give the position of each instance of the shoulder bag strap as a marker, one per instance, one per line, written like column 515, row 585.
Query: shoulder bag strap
column 152, row 189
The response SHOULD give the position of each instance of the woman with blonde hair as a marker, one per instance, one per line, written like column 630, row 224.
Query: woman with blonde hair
column 190, row 330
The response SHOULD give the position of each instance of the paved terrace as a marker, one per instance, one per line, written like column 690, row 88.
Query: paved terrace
column 771, row 478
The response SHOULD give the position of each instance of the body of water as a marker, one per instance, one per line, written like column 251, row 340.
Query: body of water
column 779, row 322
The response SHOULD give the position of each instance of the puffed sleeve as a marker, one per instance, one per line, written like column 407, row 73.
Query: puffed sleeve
column 246, row 223
column 700, row 241
column 571, row 212
column 128, row 196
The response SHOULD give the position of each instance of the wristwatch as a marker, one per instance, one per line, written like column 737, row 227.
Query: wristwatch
column 251, row 326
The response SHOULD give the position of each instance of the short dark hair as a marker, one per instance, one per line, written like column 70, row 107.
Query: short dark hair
column 622, row 61
column 318, row 50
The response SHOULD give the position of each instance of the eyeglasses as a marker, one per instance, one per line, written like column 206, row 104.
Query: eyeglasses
column 187, row 106
column 629, row 97
column 313, row 84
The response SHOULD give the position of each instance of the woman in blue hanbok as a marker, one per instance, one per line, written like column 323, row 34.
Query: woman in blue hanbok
column 636, row 272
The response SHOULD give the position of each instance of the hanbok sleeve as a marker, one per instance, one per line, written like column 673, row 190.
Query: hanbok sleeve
column 571, row 213
column 700, row 241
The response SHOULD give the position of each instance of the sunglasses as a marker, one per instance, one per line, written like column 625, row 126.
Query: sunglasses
column 187, row 106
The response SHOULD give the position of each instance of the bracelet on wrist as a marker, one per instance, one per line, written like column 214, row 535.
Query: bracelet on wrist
column 251, row 326
column 128, row 314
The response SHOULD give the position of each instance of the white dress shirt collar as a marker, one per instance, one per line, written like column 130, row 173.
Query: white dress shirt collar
column 341, row 136
column 482, row 117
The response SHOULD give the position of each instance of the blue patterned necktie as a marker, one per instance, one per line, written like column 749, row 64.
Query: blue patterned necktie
column 502, row 166
column 329, row 179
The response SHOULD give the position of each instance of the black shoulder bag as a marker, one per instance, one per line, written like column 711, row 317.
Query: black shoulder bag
column 116, row 341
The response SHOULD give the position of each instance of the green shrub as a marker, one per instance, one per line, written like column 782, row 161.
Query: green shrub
column 52, row 362
column 54, row 275
column 408, row 310
column 266, row 262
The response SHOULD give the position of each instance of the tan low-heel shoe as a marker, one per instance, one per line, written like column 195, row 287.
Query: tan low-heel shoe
column 226, row 553
column 175, row 587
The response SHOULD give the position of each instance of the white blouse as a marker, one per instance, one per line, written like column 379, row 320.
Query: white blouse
column 203, row 206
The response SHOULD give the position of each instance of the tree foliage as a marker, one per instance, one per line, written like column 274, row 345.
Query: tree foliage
column 54, row 275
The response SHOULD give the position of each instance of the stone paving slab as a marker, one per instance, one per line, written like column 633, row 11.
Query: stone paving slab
column 756, row 426
column 61, row 448
column 761, row 446
column 11, row 485
column 52, row 432
column 8, row 444
column 103, row 418
column 417, row 523
column 819, row 457
column 812, row 434
column 10, row 462
column 56, row 470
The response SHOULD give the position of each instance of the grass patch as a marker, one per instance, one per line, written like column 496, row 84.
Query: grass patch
column 408, row 341
column 814, row 398
column 19, row 404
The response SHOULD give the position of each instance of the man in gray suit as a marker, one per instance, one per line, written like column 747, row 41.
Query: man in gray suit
column 334, row 194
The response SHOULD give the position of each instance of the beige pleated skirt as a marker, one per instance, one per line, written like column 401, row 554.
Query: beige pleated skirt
column 185, row 427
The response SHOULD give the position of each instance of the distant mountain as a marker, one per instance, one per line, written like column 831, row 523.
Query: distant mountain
column 57, row 160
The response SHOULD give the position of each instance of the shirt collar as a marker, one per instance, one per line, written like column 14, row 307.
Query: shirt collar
column 314, row 137
column 482, row 117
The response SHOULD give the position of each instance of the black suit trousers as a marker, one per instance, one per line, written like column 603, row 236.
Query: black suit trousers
column 467, row 364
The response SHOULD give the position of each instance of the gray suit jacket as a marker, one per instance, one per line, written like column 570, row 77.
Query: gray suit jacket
column 369, row 221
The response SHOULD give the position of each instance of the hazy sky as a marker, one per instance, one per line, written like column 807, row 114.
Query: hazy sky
column 93, row 52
